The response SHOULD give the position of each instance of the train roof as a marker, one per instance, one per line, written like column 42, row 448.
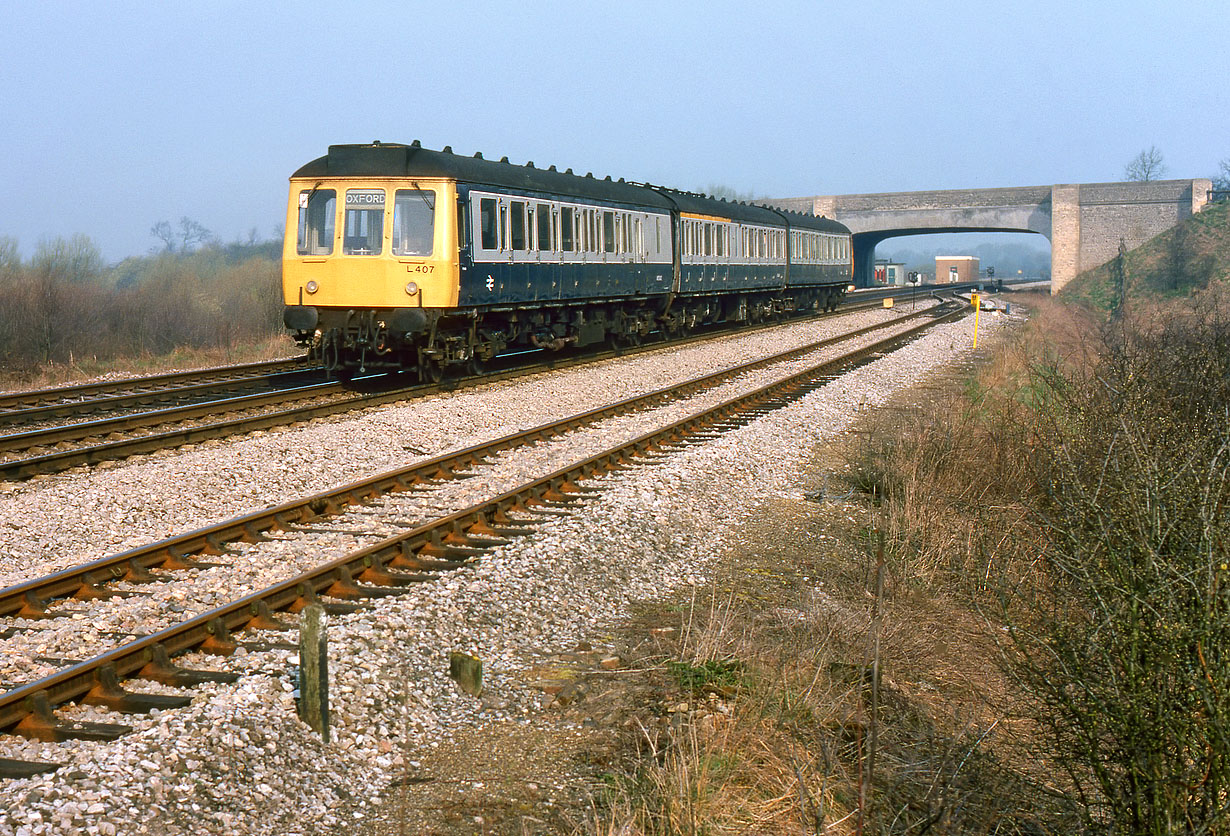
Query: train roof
column 396, row 160
column 699, row 204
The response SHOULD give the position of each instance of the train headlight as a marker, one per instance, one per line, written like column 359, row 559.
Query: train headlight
column 412, row 288
column 311, row 287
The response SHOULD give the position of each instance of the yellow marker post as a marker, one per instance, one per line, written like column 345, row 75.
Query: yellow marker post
column 973, row 297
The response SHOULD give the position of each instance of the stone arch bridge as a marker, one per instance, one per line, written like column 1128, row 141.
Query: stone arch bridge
column 1083, row 221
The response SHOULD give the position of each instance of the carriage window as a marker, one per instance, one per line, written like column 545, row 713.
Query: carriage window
column 317, row 210
column 364, row 222
column 413, row 221
column 486, row 223
column 565, row 229
column 517, row 224
column 608, row 231
column 544, row 226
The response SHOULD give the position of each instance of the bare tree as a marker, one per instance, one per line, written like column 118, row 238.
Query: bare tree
column 192, row 234
column 1221, row 180
column 720, row 190
column 10, row 255
column 184, row 239
column 74, row 260
column 164, row 233
column 1145, row 166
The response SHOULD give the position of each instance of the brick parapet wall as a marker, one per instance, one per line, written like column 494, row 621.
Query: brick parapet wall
column 949, row 199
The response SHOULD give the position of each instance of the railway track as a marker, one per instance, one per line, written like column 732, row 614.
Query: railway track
column 170, row 410
column 87, row 398
column 426, row 547
column 51, row 449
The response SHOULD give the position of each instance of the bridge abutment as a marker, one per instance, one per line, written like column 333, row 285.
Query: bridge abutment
column 1065, row 235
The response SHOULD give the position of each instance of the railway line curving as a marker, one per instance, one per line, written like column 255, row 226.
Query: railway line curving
column 213, row 411
column 437, row 544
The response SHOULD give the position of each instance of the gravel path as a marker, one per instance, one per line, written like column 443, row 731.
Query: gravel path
column 237, row 759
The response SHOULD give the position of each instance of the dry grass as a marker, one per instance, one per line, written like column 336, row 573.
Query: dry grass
column 770, row 729
column 80, row 369
column 950, row 485
column 785, row 751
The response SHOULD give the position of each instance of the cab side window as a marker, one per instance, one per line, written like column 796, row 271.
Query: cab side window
column 413, row 222
column 317, row 211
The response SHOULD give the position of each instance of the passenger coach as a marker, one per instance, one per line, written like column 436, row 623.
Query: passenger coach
column 401, row 257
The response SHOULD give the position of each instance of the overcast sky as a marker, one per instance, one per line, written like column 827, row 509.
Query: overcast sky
column 115, row 115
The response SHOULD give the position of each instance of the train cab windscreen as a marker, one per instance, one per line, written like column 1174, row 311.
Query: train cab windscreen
column 364, row 222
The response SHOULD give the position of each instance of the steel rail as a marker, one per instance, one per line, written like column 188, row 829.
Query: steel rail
column 27, row 708
column 114, row 403
column 102, row 427
column 62, row 459
column 30, row 599
column 147, row 383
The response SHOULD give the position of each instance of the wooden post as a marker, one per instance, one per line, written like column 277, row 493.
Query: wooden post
column 467, row 671
column 314, row 669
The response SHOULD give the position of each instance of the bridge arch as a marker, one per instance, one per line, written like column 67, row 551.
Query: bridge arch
column 865, row 244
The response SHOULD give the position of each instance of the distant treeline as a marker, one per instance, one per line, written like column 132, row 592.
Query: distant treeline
column 64, row 304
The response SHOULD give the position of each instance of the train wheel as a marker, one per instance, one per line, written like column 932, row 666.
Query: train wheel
column 430, row 371
column 474, row 366
column 616, row 340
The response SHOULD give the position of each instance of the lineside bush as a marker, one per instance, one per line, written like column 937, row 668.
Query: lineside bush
column 64, row 309
column 1084, row 502
column 1126, row 642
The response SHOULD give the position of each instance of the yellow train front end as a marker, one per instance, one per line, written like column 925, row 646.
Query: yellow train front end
column 368, row 265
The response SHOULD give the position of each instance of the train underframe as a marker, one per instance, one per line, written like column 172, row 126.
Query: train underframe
column 440, row 342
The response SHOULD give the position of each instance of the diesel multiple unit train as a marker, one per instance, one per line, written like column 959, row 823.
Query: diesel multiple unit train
column 399, row 257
